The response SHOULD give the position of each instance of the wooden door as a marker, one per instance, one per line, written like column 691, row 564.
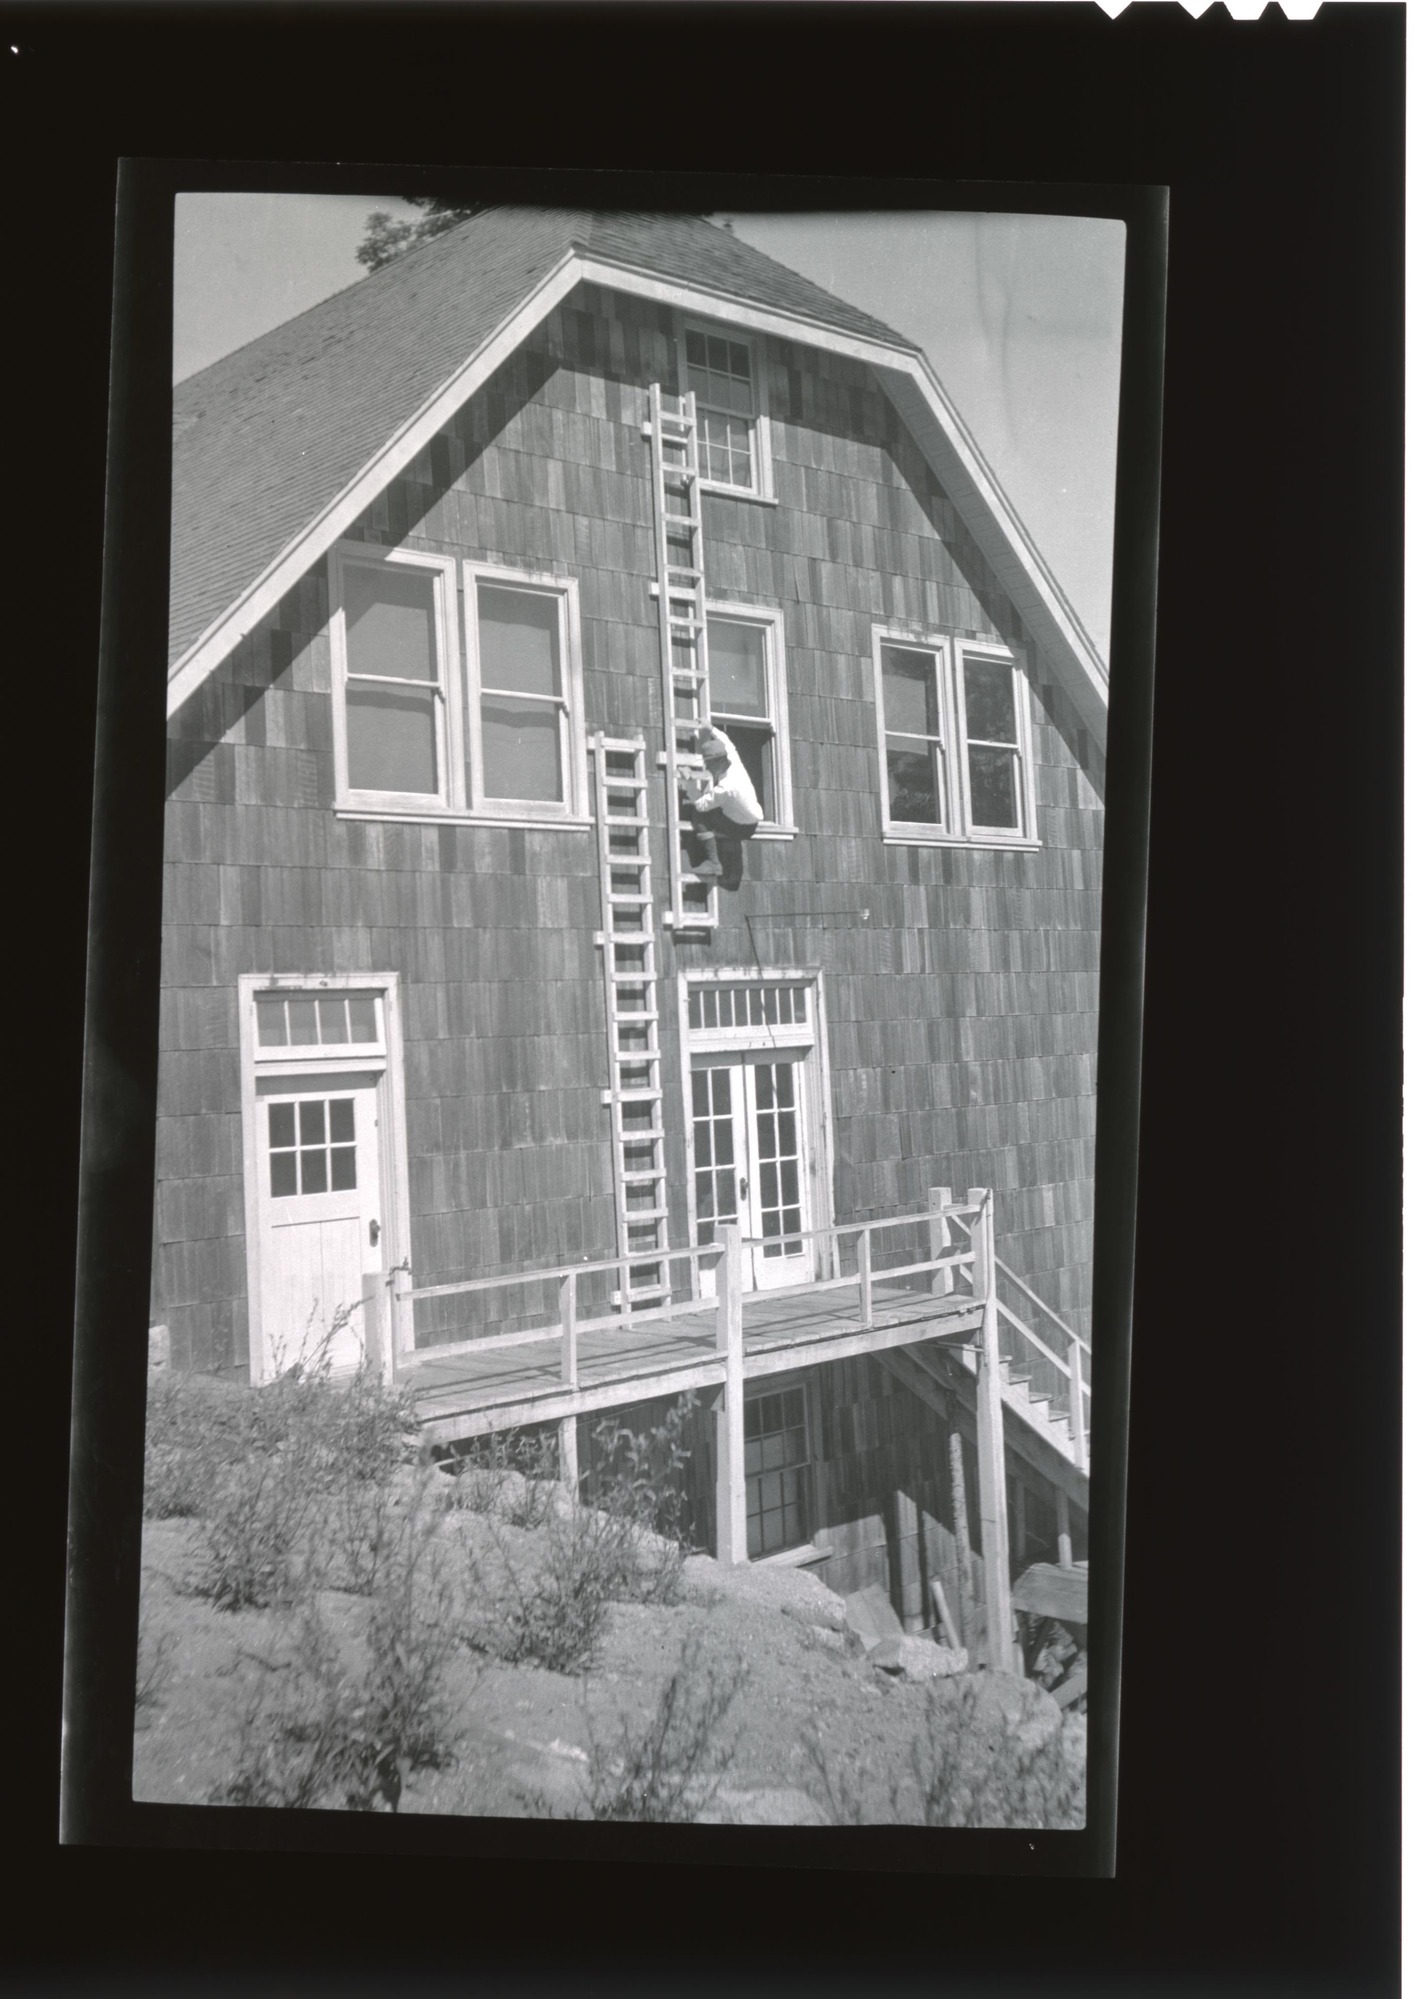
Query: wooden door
column 321, row 1215
column 750, row 1163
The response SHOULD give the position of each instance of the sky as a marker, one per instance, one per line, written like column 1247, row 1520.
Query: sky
column 1020, row 315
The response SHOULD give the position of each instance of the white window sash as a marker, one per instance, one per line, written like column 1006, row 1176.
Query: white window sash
column 443, row 688
column 770, row 622
column 761, row 487
column 568, row 703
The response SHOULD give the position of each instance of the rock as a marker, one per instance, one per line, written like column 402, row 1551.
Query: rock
column 774, row 1807
column 869, row 1612
column 918, row 1658
column 159, row 1349
column 796, row 1592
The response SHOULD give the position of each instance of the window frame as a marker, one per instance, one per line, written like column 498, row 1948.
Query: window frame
column 784, row 826
column 457, row 699
column 956, row 828
column 366, row 555
column 526, row 811
column 759, row 435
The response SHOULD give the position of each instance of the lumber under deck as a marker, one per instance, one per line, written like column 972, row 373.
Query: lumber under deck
column 468, row 1394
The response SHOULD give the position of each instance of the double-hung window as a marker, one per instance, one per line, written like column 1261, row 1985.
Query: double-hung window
column 457, row 688
column 748, row 701
column 955, row 753
column 722, row 370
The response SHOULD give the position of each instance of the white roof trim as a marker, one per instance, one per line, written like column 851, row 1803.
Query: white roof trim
column 906, row 375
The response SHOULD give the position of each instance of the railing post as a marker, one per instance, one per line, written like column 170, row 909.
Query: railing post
column 993, row 1497
column 1065, row 1528
column 731, row 1491
column 569, row 1374
column 943, row 1281
column 1077, row 1417
column 401, row 1329
column 376, row 1339
column 863, row 1271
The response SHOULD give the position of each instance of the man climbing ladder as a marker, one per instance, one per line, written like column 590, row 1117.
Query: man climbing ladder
column 725, row 808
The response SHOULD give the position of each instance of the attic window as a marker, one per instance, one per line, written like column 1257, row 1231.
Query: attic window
column 721, row 370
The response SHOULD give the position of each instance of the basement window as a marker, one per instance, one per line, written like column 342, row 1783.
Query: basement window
column 777, row 1461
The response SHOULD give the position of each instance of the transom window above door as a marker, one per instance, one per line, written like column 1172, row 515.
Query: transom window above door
column 457, row 689
column 955, row 755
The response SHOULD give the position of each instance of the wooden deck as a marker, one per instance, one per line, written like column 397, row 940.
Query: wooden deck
column 468, row 1394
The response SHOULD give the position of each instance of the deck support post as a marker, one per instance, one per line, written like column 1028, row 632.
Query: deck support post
column 731, row 1489
column 569, row 1371
column 376, row 1322
column 1065, row 1528
column 1077, row 1421
column 943, row 1281
column 568, row 1455
column 993, row 1485
column 964, row 1559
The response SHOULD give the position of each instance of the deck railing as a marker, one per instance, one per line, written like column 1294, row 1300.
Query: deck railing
column 390, row 1300
column 1057, row 1359
column 865, row 1256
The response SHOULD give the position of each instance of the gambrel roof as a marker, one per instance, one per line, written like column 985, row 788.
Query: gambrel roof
column 278, row 447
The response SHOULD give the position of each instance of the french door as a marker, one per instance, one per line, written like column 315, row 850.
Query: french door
column 750, row 1164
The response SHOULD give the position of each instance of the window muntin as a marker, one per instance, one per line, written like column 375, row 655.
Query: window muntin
column 393, row 680
column 719, row 371
column 994, row 763
column 318, row 1020
column 310, row 1146
column 741, row 701
column 748, row 701
column 779, row 1156
column 777, row 1464
column 715, row 1007
column 523, row 709
column 953, row 741
column 915, row 766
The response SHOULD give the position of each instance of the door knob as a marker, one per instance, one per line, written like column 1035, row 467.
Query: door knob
column 373, row 1232
column 743, row 1187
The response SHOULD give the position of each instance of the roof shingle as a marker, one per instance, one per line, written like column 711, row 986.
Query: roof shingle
column 266, row 438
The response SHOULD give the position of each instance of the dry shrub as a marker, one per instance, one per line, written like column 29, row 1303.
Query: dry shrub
column 335, row 1723
column 544, row 1598
column 511, row 1475
column 671, row 1770
column 968, row 1768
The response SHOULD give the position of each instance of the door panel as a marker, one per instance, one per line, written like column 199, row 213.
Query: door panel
column 320, row 1215
column 748, row 1162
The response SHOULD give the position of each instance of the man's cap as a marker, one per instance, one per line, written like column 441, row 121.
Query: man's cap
column 711, row 740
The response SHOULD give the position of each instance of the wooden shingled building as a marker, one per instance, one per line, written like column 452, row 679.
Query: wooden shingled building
column 464, row 1066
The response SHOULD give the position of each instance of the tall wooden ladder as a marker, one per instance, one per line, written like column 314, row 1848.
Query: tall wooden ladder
column 628, row 955
column 683, row 634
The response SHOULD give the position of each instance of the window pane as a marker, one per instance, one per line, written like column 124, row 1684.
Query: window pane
column 282, row 1124
column 312, row 1124
column 989, row 700
column 270, row 1020
column 342, row 1121
column 738, row 666
column 363, row 1019
column 389, row 622
column 333, row 1025
column 914, row 791
column 341, row 1167
column 993, row 795
column 519, row 640
column 521, row 749
column 392, row 736
column 700, row 1088
column 720, row 1089
column 312, row 1173
column 304, row 1032
column 282, row 1174
column 908, row 684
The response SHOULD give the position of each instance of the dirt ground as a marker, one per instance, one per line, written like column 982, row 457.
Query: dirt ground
column 524, row 1735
